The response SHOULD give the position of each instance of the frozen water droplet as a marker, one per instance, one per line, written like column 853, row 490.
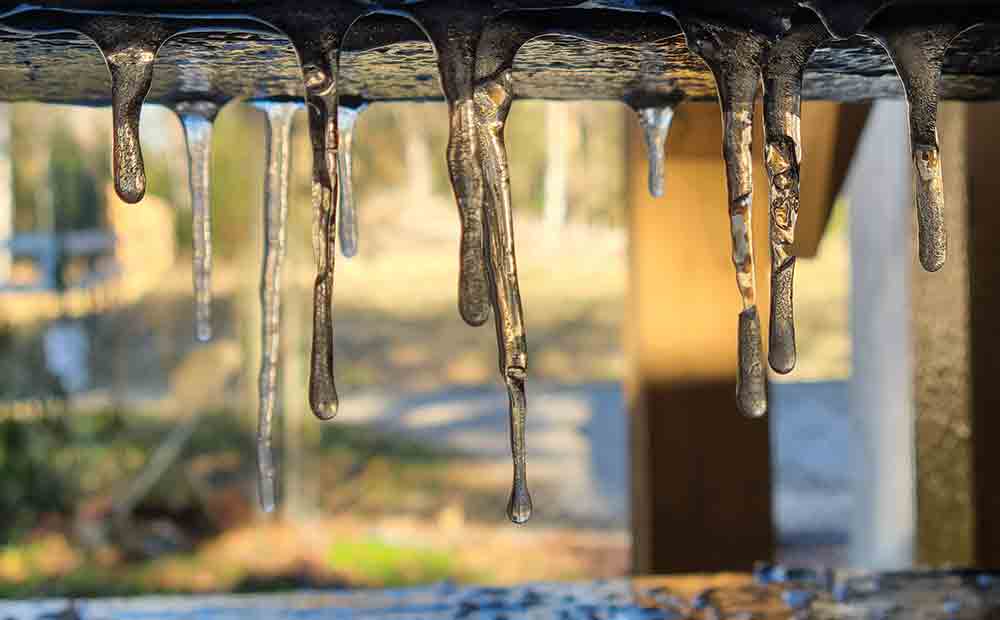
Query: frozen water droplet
column 735, row 57
column 655, row 123
column 347, row 117
column 197, row 118
column 279, row 124
column 786, row 62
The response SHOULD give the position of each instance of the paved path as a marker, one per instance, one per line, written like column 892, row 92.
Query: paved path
column 579, row 434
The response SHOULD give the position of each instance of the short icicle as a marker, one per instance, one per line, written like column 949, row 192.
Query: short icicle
column 347, row 116
column 129, row 47
column 279, row 127
column 782, row 157
column 918, row 53
column 493, row 97
column 655, row 123
column 197, row 118
column 131, row 77
column 735, row 57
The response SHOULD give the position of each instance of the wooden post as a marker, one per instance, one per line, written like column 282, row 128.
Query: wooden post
column 956, row 367
column 982, row 154
column 882, row 532
column 701, row 475
column 701, row 486
column 942, row 372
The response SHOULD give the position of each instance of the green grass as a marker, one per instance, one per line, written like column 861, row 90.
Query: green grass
column 377, row 562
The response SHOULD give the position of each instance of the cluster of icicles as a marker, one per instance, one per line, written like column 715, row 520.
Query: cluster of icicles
column 476, row 46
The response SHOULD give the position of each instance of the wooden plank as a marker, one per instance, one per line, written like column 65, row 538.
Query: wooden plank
column 982, row 155
column 824, row 165
column 700, row 472
column 940, row 307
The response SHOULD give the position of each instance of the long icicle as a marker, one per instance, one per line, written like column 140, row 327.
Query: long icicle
column 493, row 98
column 493, row 95
column 279, row 129
column 320, row 61
column 347, row 116
column 655, row 123
column 317, row 37
column 735, row 57
column 782, row 157
column 197, row 118
column 918, row 53
column 322, row 106
column 455, row 43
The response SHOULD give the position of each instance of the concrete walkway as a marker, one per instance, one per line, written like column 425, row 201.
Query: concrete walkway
column 579, row 434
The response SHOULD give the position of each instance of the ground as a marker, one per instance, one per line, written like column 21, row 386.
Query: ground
column 373, row 509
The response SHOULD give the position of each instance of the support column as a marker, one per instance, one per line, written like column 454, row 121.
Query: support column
column 701, row 471
column 982, row 155
column 882, row 534
column 942, row 380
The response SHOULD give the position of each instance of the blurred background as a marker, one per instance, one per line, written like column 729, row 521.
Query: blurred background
column 127, row 449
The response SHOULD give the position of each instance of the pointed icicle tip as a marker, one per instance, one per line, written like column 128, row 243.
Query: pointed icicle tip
column 751, row 385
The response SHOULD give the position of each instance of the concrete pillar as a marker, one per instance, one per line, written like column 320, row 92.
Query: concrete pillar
column 879, row 188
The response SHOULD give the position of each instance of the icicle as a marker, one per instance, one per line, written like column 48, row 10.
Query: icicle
column 655, row 123
column 319, row 69
column 129, row 47
column 735, row 58
column 493, row 98
column 197, row 118
column 347, row 116
column 455, row 43
column 918, row 53
column 279, row 124
column 131, row 76
column 474, row 57
column 782, row 156
column 317, row 37
column 322, row 106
